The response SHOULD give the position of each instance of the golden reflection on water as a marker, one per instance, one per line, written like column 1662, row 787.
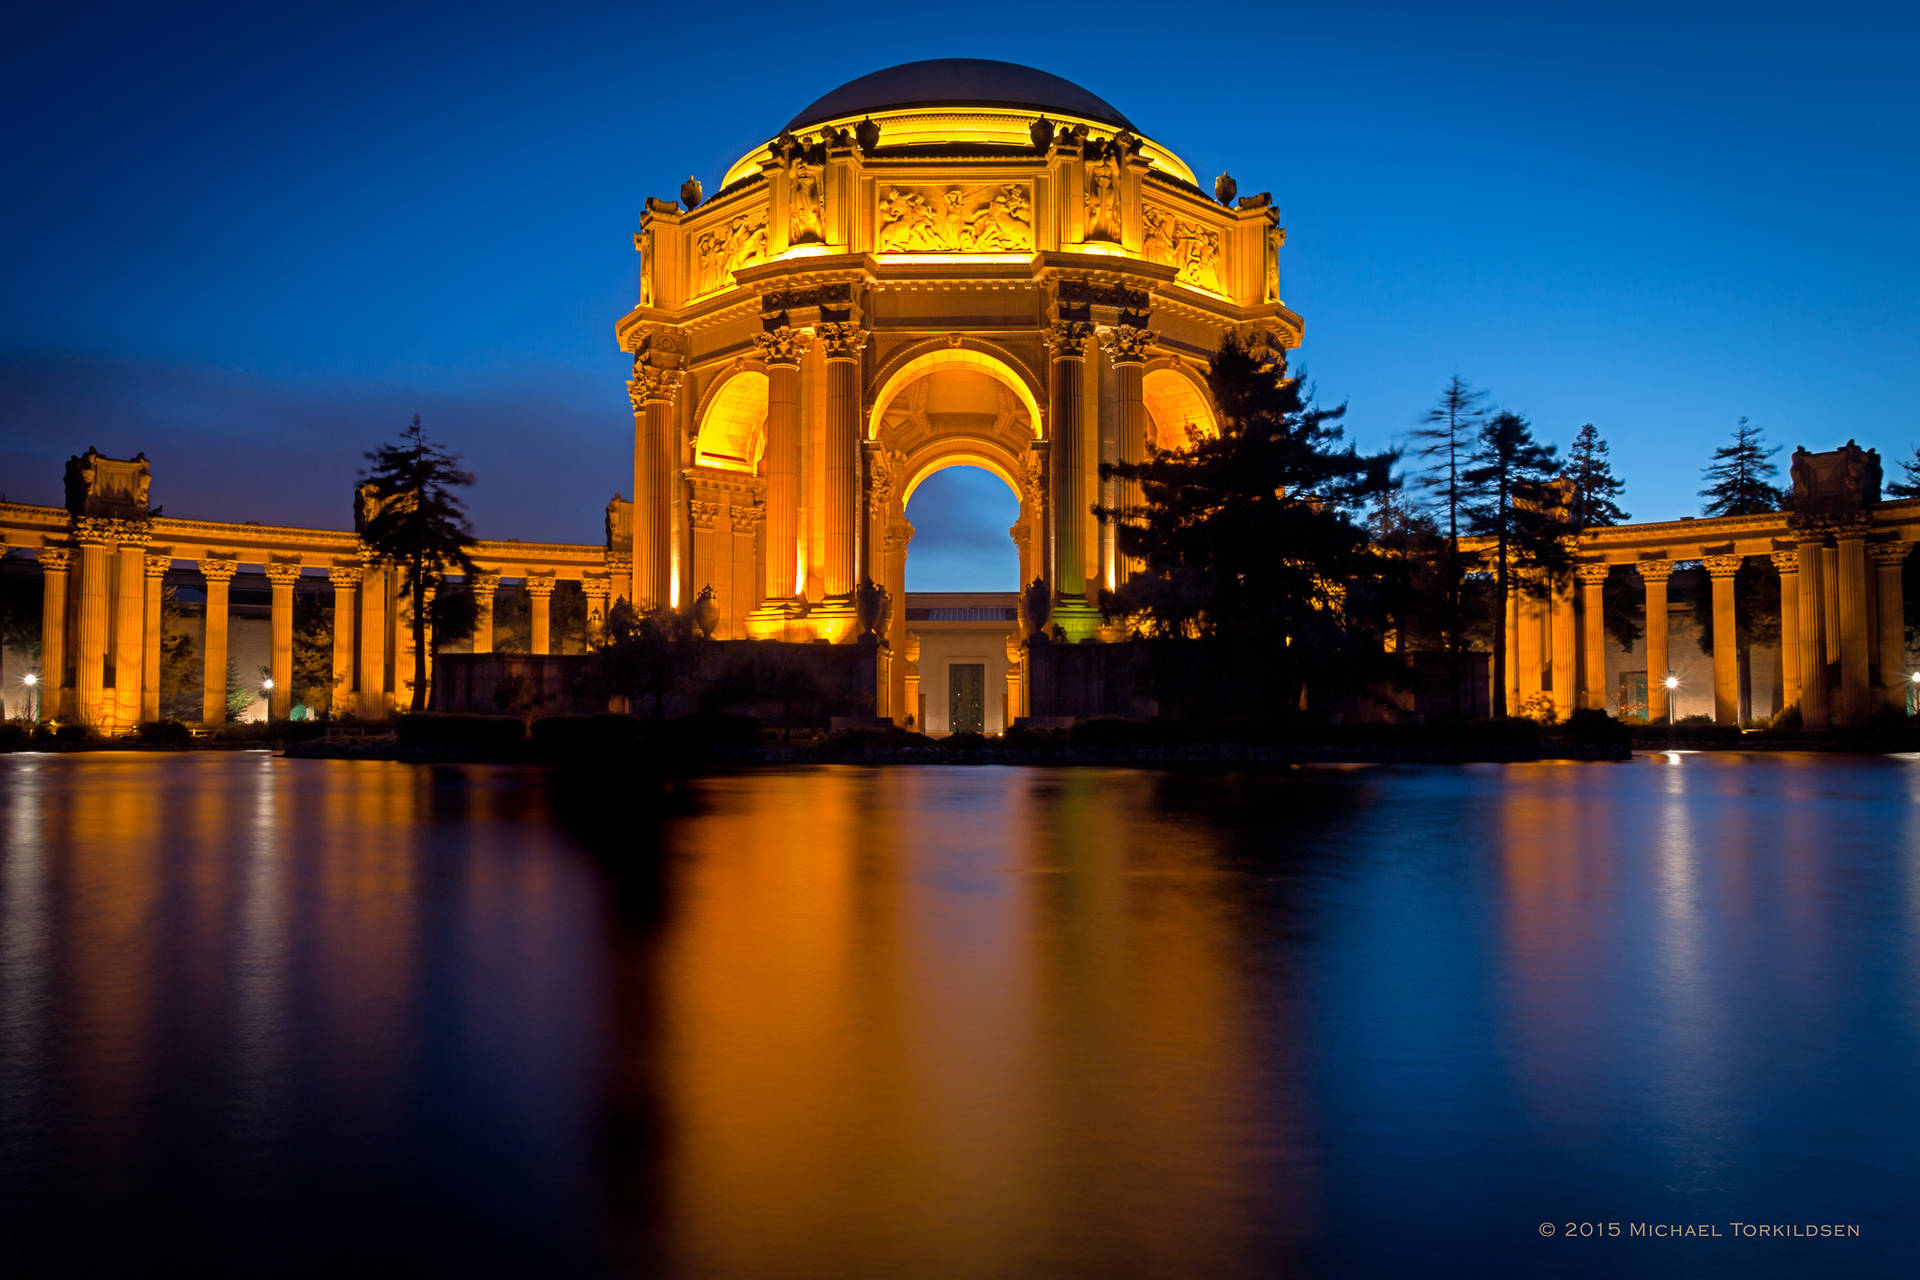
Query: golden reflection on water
column 901, row 1011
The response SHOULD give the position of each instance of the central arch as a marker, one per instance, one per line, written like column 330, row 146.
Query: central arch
column 909, row 364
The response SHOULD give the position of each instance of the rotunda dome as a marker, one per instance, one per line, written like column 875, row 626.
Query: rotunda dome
column 960, row 82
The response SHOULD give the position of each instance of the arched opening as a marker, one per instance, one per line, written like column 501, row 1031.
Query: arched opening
column 962, row 581
column 1176, row 405
column 733, row 431
column 914, row 373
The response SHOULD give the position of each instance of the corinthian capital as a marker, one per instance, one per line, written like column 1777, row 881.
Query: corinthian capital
column 782, row 346
column 1592, row 574
column 1786, row 561
column 1723, row 566
column 652, row 385
column 55, row 559
column 1127, row 345
column 842, row 339
column 217, row 570
column 1655, row 570
column 1067, row 339
column 282, row 573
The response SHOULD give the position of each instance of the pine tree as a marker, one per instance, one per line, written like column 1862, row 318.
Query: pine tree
column 1740, row 477
column 1908, row 486
column 1595, row 487
column 1517, row 503
column 1251, row 546
column 419, row 525
column 1447, row 443
column 239, row 697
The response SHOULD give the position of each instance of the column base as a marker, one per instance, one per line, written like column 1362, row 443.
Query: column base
column 779, row 620
column 1077, row 620
column 833, row 620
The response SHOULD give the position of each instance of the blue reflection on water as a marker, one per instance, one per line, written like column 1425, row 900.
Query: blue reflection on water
column 260, row 1013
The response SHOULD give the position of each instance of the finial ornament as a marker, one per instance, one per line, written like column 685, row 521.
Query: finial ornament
column 1225, row 188
column 690, row 192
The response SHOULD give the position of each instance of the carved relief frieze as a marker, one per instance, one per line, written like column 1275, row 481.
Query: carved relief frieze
column 994, row 218
column 1104, row 158
column 1189, row 246
column 726, row 247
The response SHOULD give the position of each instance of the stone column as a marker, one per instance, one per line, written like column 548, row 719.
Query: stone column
column 54, row 564
column 894, row 544
column 281, row 578
column 540, row 597
column 652, row 391
column 1528, row 645
column 1566, row 640
column 1888, row 559
column 1655, row 574
column 1510, row 643
column 1813, row 654
column 1016, row 652
column 484, row 584
column 1726, row 640
column 1066, row 397
column 1593, row 633
column 911, row 683
column 1788, row 565
column 372, row 701
column 156, row 566
column 748, row 517
column 346, row 583
column 129, row 626
column 1851, row 596
column 1126, row 349
column 841, row 342
column 598, row 589
column 782, row 349
column 213, row 633
column 90, row 658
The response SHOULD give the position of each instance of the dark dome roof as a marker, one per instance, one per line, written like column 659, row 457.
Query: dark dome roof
column 959, row 82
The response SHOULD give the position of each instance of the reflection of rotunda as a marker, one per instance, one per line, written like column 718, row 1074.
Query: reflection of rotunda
column 945, row 263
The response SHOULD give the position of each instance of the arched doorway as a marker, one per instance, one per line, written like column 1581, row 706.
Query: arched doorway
column 962, row 577
column 969, row 416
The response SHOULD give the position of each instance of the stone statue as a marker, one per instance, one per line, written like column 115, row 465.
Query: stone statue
column 1103, row 196
column 804, row 203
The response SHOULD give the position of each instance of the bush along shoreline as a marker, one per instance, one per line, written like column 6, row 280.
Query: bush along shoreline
column 701, row 741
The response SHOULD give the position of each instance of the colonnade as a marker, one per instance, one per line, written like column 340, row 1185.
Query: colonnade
column 1842, row 632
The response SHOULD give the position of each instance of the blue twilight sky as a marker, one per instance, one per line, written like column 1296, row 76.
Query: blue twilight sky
column 253, row 241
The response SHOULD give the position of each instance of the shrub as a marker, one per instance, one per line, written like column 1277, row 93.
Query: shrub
column 703, row 730
column 164, row 733
column 73, row 735
column 14, row 736
column 1596, row 728
column 432, row 729
column 1116, row 731
column 570, row 739
column 963, row 742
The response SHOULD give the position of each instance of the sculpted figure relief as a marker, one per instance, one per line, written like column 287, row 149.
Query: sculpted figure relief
column 1192, row 247
column 804, row 203
column 722, row 250
column 994, row 219
column 643, row 243
column 1103, row 197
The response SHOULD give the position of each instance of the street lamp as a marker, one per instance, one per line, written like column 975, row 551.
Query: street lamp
column 1672, row 683
column 266, row 689
column 32, row 682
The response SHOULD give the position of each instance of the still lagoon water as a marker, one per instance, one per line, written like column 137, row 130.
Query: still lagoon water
column 326, row 1017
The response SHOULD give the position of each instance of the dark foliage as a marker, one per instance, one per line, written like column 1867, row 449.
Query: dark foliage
column 1251, row 544
column 419, row 526
column 1517, row 503
column 1446, row 445
column 1908, row 485
column 1592, row 504
column 1740, row 477
column 484, row 734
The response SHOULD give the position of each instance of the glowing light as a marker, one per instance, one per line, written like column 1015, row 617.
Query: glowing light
column 1916, row 677
column 31, row 679
column 267, row 685
column 1673, row 682
column 945, row 125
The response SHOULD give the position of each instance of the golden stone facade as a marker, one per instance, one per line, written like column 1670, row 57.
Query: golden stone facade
column 1014, row 279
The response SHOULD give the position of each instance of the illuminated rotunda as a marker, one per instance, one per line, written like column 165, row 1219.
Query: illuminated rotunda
column 945, row 263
